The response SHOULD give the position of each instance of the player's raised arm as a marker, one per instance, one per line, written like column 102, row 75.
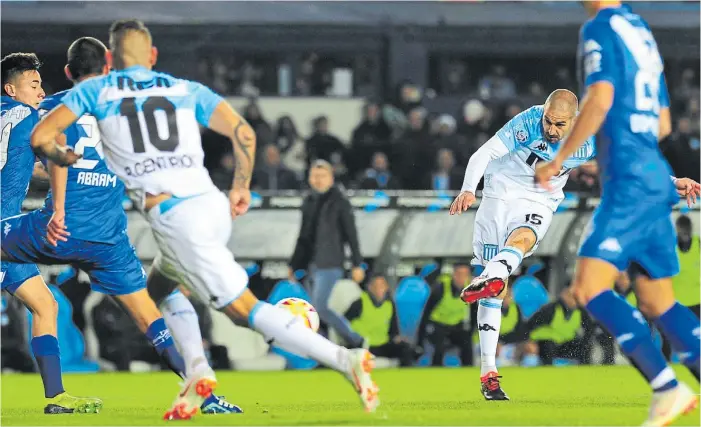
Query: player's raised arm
column 600, row 76
column 226, row 121
column 44, row 135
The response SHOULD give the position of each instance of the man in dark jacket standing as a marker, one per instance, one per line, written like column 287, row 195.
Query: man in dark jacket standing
column 327, row 225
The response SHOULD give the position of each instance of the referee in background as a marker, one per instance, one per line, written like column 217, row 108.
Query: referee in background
column 328, row 225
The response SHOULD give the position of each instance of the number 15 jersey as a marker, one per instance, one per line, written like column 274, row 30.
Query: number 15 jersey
column 149, row 127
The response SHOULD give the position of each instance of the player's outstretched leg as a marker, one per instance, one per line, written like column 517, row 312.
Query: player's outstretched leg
column 677, row 323
column 492, row 281
column 198, row 384
column 184, row 325
column 288, row 332
column 183, row 322
column 40, row 301
column 592, row 287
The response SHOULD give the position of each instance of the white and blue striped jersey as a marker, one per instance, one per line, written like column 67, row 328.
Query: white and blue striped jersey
column 149, row 122
column 511, row 176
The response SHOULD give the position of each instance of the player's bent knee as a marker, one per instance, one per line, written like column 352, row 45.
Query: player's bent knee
column 523, row 238
column 37, row 297
column 159, row 286
column 239, row 309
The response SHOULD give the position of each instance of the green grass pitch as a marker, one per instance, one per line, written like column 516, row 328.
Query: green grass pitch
column 449, row 396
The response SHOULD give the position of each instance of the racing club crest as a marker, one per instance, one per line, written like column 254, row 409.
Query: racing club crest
column 521, row 135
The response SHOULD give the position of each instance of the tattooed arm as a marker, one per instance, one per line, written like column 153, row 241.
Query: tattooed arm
column 226, row 121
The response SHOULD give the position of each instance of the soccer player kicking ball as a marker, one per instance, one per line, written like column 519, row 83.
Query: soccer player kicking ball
column 514, row 214
column 22, row 94
column 98, row 244
column 627, row 106
column 149, row 123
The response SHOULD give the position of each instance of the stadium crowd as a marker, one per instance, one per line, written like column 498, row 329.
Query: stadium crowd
column 401, row 144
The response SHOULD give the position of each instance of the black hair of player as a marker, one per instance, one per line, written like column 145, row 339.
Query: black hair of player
column 15, row 64
column 86, row 56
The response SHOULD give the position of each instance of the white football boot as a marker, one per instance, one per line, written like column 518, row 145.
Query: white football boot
column 669, row 405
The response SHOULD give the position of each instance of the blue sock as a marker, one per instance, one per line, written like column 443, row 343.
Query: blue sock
column 681, row 327
column 48, row 357
column 633, row 335
column 162, row 341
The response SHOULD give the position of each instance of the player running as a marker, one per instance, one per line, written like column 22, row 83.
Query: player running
column 514, row 214
column 92, row 196
column 149, row 125
column 22, row 94
column 627, row 103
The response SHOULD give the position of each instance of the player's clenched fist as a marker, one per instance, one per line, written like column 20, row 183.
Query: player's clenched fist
column 240, row 201
column 462, row 203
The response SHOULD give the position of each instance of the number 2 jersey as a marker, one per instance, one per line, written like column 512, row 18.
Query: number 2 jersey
column 94, row 194
column 508, row 161
column 149, row 122
column 616, row 46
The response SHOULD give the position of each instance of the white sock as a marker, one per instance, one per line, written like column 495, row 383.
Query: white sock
column 183, row 322
column 488, row 324
column 289, row 333
column 504, row 263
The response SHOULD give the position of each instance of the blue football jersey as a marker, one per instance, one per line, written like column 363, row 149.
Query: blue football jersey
column 617, row 46
column 16, row 155
column 150, row 128
column 93, row 193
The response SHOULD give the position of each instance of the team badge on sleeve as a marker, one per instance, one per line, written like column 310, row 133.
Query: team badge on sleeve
column 521, row 135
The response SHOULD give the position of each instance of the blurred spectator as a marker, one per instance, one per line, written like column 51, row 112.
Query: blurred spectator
column 412, row 148
column 585, row 179
column 687, row 85
column 371, row 135
column 511, row 111
column 536, row 90
column 272, row 174
column 563, row 79
column 328, row 223
column 477, row 119
column 409, row 96
column 682, row 150
column 448, row 138
column 223, row 175
column 446, row 176
column 378, row 176
column 374, row 317
column 446, row 320
column 497, row 85
column 340, row 171
column 322, row 145
column 264, row 133
column 291, row 146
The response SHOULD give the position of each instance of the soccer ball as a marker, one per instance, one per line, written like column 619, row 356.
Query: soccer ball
column 301, row 309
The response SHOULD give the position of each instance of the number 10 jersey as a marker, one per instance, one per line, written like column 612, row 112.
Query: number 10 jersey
column 149, row 123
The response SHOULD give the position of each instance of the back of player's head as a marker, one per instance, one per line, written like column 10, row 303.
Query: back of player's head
column 131, row 43
column 563, row 100
column 15, row 64
column 86, row 56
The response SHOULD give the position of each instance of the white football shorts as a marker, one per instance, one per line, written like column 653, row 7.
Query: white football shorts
column 192, row 237
column 496, row 219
